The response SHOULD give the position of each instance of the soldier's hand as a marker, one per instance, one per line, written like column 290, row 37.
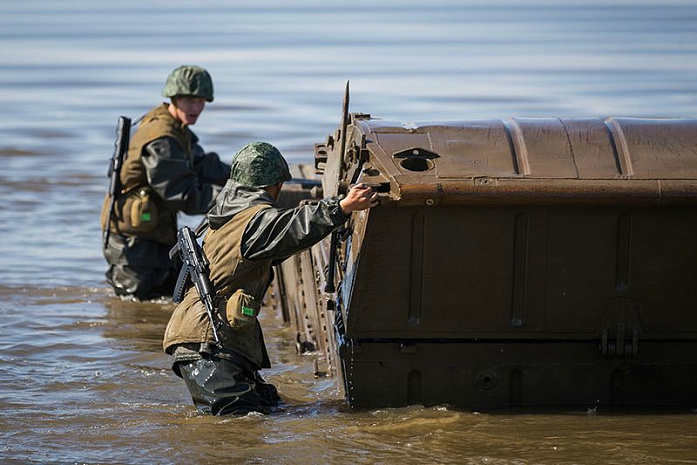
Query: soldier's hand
column 359, row 197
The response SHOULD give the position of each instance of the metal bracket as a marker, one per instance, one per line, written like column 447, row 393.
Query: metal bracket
column 623, row 344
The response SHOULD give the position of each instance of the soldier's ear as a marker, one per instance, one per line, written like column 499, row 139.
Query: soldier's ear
column 274, row 190
column 278, row 190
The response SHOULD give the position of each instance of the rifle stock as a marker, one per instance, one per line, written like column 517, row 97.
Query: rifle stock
column 123, row 133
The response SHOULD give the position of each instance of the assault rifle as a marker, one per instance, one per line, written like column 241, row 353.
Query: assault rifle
column 123, row 133
column 195, row 267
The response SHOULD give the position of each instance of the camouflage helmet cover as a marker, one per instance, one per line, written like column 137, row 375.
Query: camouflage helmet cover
column 259, row 164
column 189, row 80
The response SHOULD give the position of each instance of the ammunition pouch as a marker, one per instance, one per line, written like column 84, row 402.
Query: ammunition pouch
column 241, row 311
column 140, row 211
column 136, row 212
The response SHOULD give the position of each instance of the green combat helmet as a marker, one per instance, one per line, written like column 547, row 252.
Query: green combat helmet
column 259, row 164
column 189, row 80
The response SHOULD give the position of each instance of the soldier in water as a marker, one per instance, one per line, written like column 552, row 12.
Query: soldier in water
column 165, row 172
column 248, row 234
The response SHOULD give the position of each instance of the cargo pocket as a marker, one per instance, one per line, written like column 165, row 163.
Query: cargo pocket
column 242, row 310
column 141, row 211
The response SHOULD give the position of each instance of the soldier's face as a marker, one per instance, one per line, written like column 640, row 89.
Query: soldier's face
column 188, row 109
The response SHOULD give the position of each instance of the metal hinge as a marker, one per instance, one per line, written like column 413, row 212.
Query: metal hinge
column 623, row 342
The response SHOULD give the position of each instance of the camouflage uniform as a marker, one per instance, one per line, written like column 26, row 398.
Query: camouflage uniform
column 165, row 171
column 248, row 234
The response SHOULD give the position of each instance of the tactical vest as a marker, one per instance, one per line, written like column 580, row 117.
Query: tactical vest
column 240, row 286
column 139, row 211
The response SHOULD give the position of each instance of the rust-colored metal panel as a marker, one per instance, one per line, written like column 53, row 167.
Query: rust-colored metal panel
column 593, row 148
column 619, row 160
column 655, row 148
column 503, row 374
column 542, row 148
column 536, row 272
column 517, row 262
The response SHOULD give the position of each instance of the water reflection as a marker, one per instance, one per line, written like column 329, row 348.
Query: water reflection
column 137, row 325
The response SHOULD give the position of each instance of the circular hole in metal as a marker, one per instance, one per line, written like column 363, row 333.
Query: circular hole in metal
column 416, row 164
column 487, row 379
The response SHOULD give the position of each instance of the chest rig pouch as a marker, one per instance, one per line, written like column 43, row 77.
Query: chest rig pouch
column 241, row 311
column 243, row 301
column 135, row 212
column 140, row 211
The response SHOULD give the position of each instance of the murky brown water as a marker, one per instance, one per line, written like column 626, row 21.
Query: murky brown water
column 82, row 375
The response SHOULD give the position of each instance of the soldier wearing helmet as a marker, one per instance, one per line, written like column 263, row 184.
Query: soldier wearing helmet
column 248, row 234
column 165, row 172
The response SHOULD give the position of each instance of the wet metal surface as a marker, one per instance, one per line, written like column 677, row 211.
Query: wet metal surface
column 493, row 274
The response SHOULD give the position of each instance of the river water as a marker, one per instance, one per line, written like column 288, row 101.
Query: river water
column 82, row 375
